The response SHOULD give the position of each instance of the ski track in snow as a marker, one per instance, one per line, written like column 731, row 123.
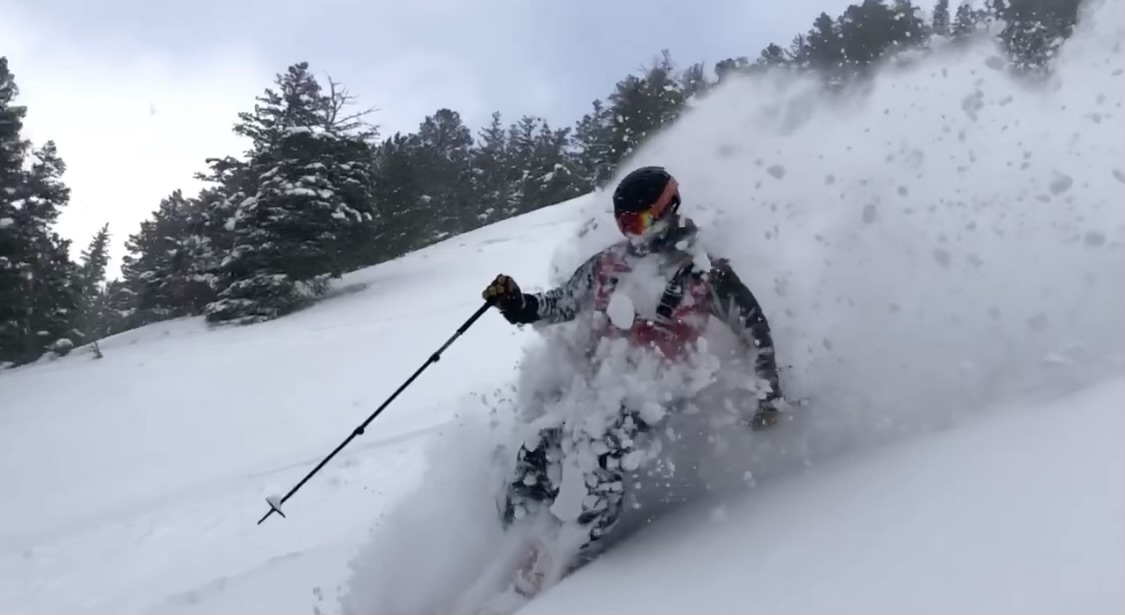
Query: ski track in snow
column 945, row 284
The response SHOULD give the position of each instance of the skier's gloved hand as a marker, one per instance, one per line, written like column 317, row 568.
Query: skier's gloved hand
column 505, row 295
column 767, row 415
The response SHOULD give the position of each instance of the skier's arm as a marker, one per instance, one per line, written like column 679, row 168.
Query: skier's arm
column 733, row 303
column 556, row 305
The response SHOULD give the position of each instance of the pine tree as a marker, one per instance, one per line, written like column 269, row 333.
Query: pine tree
column 116, row 305
column 50, row 280
column 542, row 166
column 906, row 29
column 552, row 176
column 232, row 181
column 91, row 275
column 95, row 259
column 491, row 164
column 55, row 299
column 1035, row 29
column 799, row 53
column 14, row 248
column 353, row 174
column 37, row 279
column 732, row 66
column 640, row 106
column 772, row 55
column 825, row 47
column 46, row 194
column 966, row 21
column 160, row 267
column 593, row 137
column 940, row 19
column 693, row 81
column 349, row 169
column 313, row 177
column 426, row 187
column 400, row 197
column 442, row 158
column 865, row 32
column 521, row 147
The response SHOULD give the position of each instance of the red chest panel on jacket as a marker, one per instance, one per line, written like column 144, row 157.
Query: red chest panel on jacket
column 671, row 336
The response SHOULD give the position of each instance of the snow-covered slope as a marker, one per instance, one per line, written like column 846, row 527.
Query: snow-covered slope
column 940, row 258
column 134, row 483
column 999, row 517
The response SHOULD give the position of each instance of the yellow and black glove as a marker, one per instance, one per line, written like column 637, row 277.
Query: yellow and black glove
column 506, row 296
column 766, row 416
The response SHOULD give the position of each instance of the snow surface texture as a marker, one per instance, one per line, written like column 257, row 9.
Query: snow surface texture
column 940, row 258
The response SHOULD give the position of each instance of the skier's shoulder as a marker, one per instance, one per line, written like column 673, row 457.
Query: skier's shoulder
column 592, row 268
column 721, row 275
column 613, row 253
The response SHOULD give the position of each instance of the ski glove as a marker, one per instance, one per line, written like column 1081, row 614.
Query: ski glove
column 505, row 295
column 767, row 416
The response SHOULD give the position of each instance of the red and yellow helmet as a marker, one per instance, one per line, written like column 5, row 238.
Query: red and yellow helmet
column 643, row 198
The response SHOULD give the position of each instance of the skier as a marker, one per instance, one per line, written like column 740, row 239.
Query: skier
column 646, row 208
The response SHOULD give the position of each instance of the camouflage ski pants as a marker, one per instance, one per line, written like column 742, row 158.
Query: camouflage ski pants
column 536, row 480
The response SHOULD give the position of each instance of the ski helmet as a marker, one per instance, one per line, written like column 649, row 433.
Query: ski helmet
column 643, row 198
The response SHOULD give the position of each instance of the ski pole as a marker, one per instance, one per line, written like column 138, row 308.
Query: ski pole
column 275, row 504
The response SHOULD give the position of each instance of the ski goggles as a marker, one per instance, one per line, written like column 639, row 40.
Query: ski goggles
column 638, row 222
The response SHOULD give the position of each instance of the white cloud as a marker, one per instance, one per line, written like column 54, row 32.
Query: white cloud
column 130, row 133
column 415, row 84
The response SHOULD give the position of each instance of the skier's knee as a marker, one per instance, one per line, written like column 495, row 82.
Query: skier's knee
column 531, row 485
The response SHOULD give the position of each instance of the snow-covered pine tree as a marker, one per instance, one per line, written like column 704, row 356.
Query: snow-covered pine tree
column 51, row 282
column 13, row 244
column 1034, row 30
column 542, row 166
column 521, row 148
column 55, row 299
column 967, row 20
column 95, row 259
column 232, row 182
column 640, row 106
column 772, row 55
column 162, row 266
column 441, row 161
column 940, row 22
column 436, row 182
column 314, row 189
column 593, row 135
column 91, row 275
column 693, row 82
column 825, row 47
column 490, row 170
column 117, row 304
column 398, row 192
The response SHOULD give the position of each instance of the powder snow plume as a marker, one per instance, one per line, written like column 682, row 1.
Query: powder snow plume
column 945, row 240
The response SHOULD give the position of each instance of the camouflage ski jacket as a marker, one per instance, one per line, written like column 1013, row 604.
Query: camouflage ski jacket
column 690, row 298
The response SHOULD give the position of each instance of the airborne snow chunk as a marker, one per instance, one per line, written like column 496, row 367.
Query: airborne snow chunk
column 620, row 310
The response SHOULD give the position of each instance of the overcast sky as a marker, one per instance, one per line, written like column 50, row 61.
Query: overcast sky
column 136, row 93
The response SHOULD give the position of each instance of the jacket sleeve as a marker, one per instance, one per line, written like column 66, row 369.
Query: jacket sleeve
column 735, row 305
column 558, row 304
